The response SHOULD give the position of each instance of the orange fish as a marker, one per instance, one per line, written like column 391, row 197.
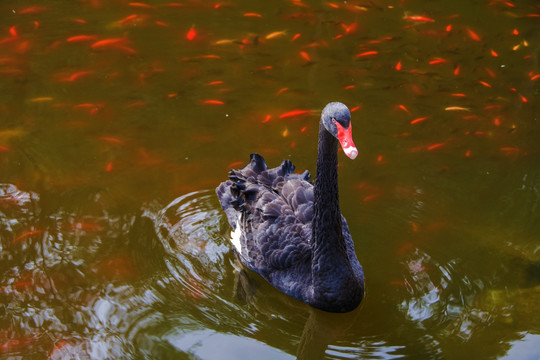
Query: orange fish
column 141, row 5
column 420, row 119
column 305, row 56
column 213, row 102
column 266, row 119
column 366, row 53
column 509, row 150
column 435, row 146
column 275, row 34
column 33, row 10
column 402, row 107
column 27, row 235
column 437, row 61
column 107, row 42
column 294, row 113
column 456, row 108
column 474, row 36
column 191, row 34
column 418, row 18
column 234, row 164
column 80, row 38
column 76, row 76
column 484, row 83
column 13, row 31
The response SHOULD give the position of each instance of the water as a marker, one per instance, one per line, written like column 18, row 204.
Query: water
column 119, row 119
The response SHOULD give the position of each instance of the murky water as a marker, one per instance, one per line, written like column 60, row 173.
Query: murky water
column 118, row 119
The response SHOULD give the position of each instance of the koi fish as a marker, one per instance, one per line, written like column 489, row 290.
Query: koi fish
column 305, row 56
column 349, row 29
column 484, row 83
column 275, row 34
column 472, row 35
column 81, row 38
column 266, row 119
column 420, row 119
column 76, row 76
column 366, row 53
column 295, row 113
column 437, row 61
column 435, row 146
column 191, row 34
column 107, row 43
column 27, row 235
column 33, row 10
column 418, row 18
column 213, row 102
column 456, row 108
column 141, row 5
column 402, row 107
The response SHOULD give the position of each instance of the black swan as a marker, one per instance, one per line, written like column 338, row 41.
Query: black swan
column 291, row 232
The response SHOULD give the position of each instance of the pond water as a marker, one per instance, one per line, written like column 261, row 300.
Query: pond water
column 119, row 118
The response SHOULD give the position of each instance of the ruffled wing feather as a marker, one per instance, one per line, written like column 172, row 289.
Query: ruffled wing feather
column 274, row 208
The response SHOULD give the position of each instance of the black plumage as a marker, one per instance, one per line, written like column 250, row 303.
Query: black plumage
column 292, row 232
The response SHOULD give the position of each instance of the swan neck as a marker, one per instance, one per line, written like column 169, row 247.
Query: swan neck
column 327, row 226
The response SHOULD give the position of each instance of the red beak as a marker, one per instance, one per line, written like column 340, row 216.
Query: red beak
column 345, row 139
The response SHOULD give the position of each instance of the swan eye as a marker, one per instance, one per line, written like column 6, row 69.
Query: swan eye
column 334, row 120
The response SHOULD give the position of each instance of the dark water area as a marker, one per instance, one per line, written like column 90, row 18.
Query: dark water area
column 118, row 119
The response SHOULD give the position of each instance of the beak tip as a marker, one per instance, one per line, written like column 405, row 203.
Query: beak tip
column 351, row 152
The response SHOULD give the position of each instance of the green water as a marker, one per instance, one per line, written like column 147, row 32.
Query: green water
column 118, row 119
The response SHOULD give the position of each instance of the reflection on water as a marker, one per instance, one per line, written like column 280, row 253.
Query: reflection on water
column 439, row 294
column 171, row 287
column 444, row 297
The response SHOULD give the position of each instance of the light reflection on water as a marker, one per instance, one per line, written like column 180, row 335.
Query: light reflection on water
column 197, row 295
column 438, row 294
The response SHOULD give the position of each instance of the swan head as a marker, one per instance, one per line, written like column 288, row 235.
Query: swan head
column 336, row 119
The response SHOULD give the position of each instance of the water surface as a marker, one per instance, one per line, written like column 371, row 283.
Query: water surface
column 118, row 119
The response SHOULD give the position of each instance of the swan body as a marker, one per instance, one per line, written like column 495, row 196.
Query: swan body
column 290, row 231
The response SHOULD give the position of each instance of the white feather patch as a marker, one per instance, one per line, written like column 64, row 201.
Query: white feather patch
column 235, row 237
